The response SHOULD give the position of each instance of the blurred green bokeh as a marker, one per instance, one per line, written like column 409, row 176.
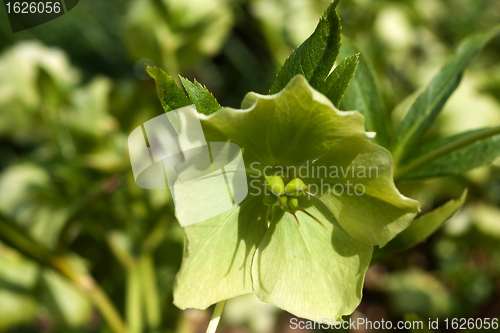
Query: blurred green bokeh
column 72, row 218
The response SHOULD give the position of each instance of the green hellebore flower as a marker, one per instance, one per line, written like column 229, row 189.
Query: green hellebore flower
column 313, row 270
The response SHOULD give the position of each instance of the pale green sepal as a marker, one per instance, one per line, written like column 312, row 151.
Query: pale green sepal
column 218, row 255
column 381, row 212
column 311, row 271
column 291, row 127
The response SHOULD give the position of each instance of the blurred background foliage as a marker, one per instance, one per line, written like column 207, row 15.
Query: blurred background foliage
column 82, row 246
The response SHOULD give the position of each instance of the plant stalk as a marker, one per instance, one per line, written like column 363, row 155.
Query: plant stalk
column 214, row 322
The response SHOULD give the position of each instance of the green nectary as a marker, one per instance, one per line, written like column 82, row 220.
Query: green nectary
column 289, row 202
column 275, row 185
column 285, row 197
column 295, row 187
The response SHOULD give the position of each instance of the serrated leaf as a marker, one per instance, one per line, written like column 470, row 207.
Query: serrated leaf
column 170, row 94
column 422, row 113
column 420, row 229
column 363, row 95
column 453, row 155
column 203, row 99
column 338, row 81
column 315, row 57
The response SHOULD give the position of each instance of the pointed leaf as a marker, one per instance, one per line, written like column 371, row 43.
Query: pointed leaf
column 203, row 99
column 453, row 155
column 315, row 57
column 311, row 271
column 338, row 81
column 363, row 95
column 420, row 229
column 427, row 106
column 170, row 94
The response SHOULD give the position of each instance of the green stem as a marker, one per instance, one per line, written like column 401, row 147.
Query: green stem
column 421, row 161
column 214, row 322
column 150, row 293
column 133, row 304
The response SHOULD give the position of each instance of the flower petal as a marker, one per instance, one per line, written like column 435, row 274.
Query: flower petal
column 312, row 271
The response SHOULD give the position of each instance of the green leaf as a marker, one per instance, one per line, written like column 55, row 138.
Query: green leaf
column 203, row 99
column 170, row 94
column 354, row 180
column 363, row 94
column 420, row 229
column 315, row 57
column 218, row 255
column 338, row 81
column 452, row 155
column 422, row 113
column 311, row 271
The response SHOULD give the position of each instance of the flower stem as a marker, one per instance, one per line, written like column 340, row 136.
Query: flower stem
column 214, row 322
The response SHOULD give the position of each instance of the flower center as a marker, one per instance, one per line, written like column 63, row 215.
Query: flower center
column 285, row 197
